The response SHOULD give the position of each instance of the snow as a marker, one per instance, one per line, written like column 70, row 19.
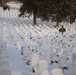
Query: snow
column 18, row 32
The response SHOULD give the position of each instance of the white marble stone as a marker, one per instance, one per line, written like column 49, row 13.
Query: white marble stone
column 45, row 73
column 56, row 72
column 42, row 66
column 34, row 60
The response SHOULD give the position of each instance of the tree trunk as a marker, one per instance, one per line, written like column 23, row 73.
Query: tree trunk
column 57, row 15
column 34, row 18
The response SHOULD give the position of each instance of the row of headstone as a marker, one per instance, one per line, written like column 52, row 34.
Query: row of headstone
column 52, row 52
column 4, row 60
column 74, row 68
column 74, row 61
column 26, row 53
column 48, row 56
column 41, row 67
column 17, row 43
column 74, row 54
column 63, row 60
column 27, row 42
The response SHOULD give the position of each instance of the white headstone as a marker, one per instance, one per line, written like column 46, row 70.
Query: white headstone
column 25, row 52
column 74, row 57
column 52, row 55
column 66, row 52
column 28, row 55
column 45, row 73
column 47, row 55
column 42, row 66
column 74, row 68
column 62, row 60
column 22, row 49
column 56, row 72
column 74, row 50
column 18, row 44
column 34, row 60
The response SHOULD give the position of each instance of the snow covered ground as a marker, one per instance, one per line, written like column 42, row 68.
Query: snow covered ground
column 47, row 42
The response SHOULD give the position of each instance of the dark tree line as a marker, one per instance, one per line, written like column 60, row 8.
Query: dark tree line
column 57, row 10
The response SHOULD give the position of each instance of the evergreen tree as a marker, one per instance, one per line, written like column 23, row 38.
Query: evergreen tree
column 36, row 7
column 60, row 10
column 29, row 7
column 73, row 11
column 57, row 10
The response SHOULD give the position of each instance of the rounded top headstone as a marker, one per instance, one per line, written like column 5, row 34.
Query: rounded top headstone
column 56, row 72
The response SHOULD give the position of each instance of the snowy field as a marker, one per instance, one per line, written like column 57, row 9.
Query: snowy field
column 35, row 50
